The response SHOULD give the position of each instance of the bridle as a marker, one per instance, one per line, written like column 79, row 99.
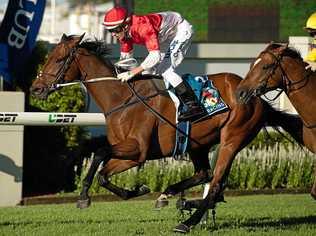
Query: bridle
column 59, row 77
column 287, row 85
column 272, row 67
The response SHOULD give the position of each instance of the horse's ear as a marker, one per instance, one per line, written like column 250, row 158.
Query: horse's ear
column 64, row 38
column 81, row 37
column 283, row 47
column 78, row 40
column 269, row 45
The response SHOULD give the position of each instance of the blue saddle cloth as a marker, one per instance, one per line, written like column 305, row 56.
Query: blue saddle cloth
column 206, row 93
column 209, row 97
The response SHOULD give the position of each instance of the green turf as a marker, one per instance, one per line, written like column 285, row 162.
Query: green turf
column 247, row 215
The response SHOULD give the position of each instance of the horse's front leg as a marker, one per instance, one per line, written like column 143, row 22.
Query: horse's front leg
column 102, row 154
column 124, row 156
column 115, row 166
column 201, row 175
column 221, row 171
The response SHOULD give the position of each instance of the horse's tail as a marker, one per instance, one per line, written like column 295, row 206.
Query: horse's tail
column 291, row 123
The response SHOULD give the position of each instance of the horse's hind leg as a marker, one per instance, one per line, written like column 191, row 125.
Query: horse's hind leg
column 201, row 175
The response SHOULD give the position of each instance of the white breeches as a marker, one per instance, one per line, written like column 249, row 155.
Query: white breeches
column 172, row 53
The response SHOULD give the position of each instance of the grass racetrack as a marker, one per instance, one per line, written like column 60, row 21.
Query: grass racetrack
column 281, row 214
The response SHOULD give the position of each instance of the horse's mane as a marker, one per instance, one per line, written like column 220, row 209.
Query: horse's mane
column 289, row 51
column 99, row 49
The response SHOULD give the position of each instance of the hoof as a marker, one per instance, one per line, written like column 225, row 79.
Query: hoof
column 180, row 204
column 161, row 203
column 83, row 203
column 182, row 228
column 143, row 190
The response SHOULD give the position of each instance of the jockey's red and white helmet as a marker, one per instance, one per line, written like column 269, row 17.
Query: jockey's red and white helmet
column 115, row 17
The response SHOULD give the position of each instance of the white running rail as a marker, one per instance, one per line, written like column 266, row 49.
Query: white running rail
column 51, row 118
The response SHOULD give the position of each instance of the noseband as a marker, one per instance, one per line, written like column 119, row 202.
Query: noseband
column 272, row 69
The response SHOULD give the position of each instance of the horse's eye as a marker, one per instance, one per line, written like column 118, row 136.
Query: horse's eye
column 59, row 60
column 268, row 66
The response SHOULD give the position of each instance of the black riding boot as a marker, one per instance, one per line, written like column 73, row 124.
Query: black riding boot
column 189, row 100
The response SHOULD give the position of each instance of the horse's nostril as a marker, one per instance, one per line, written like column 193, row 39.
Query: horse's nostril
column 35, row 90
column 38, row 92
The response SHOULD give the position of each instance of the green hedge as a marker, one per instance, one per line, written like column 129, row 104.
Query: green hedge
column 293, row 14
column 254, row 168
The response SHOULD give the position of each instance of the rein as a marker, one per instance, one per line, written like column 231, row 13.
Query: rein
column 115, row 109
column 84, row 81
column 157, row 114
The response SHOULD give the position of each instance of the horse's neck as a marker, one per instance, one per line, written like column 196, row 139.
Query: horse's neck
column 302, row 95
column 111, row 94
column 107, row 94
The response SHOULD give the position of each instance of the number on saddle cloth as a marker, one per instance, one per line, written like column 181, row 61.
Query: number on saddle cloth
column 206, row 93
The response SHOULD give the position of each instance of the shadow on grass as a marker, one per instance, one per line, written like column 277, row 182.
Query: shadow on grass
column 266, row 222
column 74, row 222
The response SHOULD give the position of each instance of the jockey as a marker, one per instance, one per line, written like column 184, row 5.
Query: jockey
column 311, row 29
column 167, row 36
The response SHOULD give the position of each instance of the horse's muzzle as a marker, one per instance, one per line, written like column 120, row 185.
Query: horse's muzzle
column 39, row 92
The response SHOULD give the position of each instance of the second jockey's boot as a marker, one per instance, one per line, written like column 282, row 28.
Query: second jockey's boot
column 191, row 106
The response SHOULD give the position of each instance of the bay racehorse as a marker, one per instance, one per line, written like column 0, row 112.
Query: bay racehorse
column 279, row 66
column 136, row 134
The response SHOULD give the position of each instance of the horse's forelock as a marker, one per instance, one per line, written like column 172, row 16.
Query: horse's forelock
column 97, row 47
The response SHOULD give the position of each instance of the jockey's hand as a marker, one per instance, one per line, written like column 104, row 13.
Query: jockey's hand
column 125, row 76
column 311, row 65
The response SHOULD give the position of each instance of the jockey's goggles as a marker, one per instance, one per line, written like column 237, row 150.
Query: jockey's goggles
column 116, row 30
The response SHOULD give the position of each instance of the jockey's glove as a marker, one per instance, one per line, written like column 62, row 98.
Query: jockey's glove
column 125, row 76
column 311, row 65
